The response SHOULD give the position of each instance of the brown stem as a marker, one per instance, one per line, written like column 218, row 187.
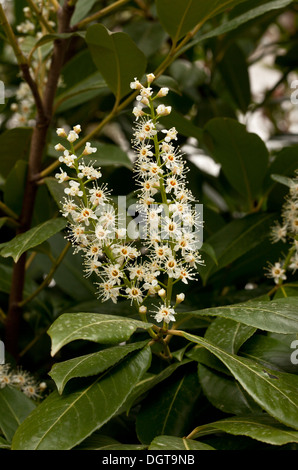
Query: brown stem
column 44, row 106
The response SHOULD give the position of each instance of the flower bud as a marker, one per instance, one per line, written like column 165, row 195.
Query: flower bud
column 162, row 293
column 61, row 132
column 150, row 77
column 162, row 92
column 143, row 310
column 180, row 298
column 59, row 148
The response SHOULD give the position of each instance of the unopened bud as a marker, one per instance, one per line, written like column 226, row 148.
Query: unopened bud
column 61, row 132
column 59, row 148
column 162, row 92
column 162, row 293
column 180, row 298
column 143, row 310
column 150, row 77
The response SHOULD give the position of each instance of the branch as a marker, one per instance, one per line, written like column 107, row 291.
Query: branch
column 40, row 16
column 38, row 143
column 21, row 59
column 48, row 278
column 99, row 14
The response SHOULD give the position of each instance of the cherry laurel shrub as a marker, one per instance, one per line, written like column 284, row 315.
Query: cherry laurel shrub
column 122, row 328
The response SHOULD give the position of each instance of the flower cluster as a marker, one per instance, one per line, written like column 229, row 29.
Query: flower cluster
column 286, row 231
column 24, row 107
column 167, row 250
column 22, row 380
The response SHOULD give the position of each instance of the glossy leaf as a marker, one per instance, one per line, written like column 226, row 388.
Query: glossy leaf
column 261, row 428
column 163, row 443
column 99, row 442
column 33, row 237
column 234, row 72
column 242, row 155
column 276, row 392
column 147, row 383
column 4, row 444
column 15, row 185
column 105, row 329
column 279, row 316
column 226, row 394
column 234, row 23
column 15, row 406
column 229, row 334
column 117, row 58
column 178, row 17
column 62, row 422
column 90, row 364
column 15, row 145
column 89, row 88
column 170, row 410
column 235, row 239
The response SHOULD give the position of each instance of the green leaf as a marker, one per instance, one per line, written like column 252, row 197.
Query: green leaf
column 117, row 58
column 228, row 334
column 90, row 364
column 4, row 444
column 177, row 443
column 147, row 383
column 242, row 155
column 283, row 180
column 82, row 9
column 104, row 329
column 62, row 422
column 15, row 185
column 278, row 316
column 15, row 145
column 47, row 38
column 98, row 442
column 183, row 125
column 235, row 239
column 15, row 406
column 234, row 72
column 81, row 92
column 261, row 428
column 170, row 410
column 178, row 17
column 33, row 237
column 226, row 394
column 109, row 154
column 270, row 352
column 234, row 23
column 276, row 392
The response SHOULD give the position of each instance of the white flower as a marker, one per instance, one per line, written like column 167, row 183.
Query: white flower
column 87, row 171
column 101, row 233
column 136, row 85
column 77, row 129
column 61, row 132
column 68, row 159
column 72, row 136
column 294, row 263
column 138, row 112
column 278, row 233
column 134, row 294
column 163, row 110
column 84, row 215
column 114, row 273
column 171, row 134
column 62, row 176
column 74, row 189
column 107, row 291
column 89, row 150
column 276, row 272
column 162, row 92
column 165, row 314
